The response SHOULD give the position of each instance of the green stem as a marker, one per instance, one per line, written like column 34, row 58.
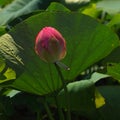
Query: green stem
column 60, row 112
column 66, row 92
column 48, row 110
column 39, row 116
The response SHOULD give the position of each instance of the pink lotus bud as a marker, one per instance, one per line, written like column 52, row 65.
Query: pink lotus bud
column 50, row 45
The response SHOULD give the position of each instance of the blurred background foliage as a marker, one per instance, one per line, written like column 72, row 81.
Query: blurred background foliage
column 96, row 87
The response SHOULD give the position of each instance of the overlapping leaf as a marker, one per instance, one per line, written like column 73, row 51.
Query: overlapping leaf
column 109, row 6
column 18, row 8
column 83, row 96
column 110, row 111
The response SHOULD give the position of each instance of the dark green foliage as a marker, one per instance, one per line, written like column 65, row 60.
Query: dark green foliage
column 90, row 40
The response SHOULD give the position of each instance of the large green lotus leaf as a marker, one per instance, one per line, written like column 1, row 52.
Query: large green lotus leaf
column 54, row 6
column 87, row 42
column 113, row 57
